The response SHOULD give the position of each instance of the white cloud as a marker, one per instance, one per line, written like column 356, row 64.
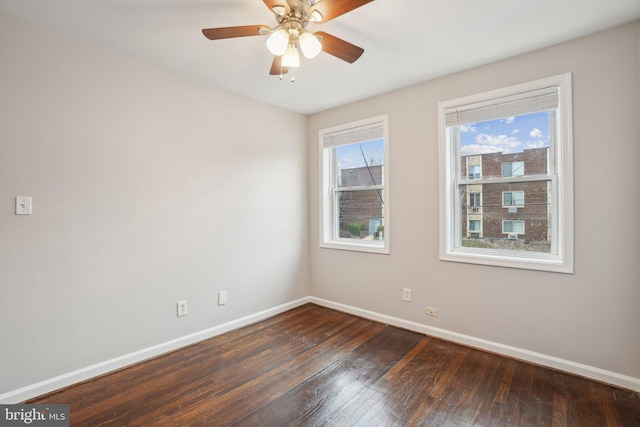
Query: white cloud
column 468, row 128
column 497, row 140
column 535, row 133
column 488, row 143
column 509, row 119
column 515, row 131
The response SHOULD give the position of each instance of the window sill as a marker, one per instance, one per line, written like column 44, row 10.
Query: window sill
column 509, row 259
column 345, row 245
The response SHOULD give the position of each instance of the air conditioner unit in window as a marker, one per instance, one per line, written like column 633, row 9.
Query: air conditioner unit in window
column 512, row 210
column 512, row 236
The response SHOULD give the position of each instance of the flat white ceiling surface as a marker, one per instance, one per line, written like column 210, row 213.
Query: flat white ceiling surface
column 405, row 41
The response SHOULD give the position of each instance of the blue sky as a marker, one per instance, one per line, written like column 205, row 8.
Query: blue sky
column 350, row 156
column 506, row 135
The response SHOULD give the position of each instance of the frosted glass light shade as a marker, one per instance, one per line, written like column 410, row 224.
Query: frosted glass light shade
column 278, row 41
column 310, row 45
column 316, row 16
column 291, row 58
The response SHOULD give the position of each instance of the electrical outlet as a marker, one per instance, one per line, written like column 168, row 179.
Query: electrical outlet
column 430, row 311
column 182, row 308
column 222, row 297
column 406, row 295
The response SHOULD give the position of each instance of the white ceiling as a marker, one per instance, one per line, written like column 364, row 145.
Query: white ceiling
column 405, row 41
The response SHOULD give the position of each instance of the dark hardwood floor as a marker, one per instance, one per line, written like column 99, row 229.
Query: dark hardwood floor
column 313, row 366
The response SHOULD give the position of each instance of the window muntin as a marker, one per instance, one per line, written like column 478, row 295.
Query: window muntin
column 520, row 138
column 354, row 193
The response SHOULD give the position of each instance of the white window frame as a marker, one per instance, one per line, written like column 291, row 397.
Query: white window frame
column 561, row 257
column 329, row 237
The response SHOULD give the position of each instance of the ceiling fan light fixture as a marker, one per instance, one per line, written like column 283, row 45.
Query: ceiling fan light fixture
column 316, row 16
column 291, row 57
column 309, row 45
column 278, row 41
column 279, row 9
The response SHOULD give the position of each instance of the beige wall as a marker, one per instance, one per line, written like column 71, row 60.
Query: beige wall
column 591, row 317
column 147, row 189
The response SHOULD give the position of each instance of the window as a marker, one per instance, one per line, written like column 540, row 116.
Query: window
column 494, row 148
column 354, row 186
column 515, row 227
column 512, row 169
column 474, row 200
column 474, row 172
column 512, row 198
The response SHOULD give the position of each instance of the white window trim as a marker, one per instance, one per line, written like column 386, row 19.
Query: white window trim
column 562, row 258
column 327, row 216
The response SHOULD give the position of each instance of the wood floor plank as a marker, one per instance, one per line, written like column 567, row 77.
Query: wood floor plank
column 313, row 366
column 320, row 399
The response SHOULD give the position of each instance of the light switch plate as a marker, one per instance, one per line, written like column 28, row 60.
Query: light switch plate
column 23, row 205
column 222, row 297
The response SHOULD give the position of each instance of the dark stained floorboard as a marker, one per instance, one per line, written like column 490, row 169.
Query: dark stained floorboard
column 313, row 366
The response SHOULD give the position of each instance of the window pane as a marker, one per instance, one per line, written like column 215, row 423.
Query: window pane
column 360, row 214
column 513, row 198
column 361, row 164
column 507, row 147
column 474, row 199
column 513, row 147
column 474, row 172
column 497, row 218
column 512, row 169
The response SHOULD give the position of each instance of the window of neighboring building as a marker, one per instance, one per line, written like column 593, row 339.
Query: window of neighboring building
column 475, row 172
column 512, row 198
column 514, row 227
column 354, row 186
column 494, row 148
column 474, row 200
column 510, row 169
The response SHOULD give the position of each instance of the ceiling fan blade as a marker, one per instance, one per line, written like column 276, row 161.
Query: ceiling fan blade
column 277, row 68
column 339, row 48
column 331, row 9
column 271, row 3
column 232, row 32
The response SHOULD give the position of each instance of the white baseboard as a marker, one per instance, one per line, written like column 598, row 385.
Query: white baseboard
column 83, row 374
column 579, row 369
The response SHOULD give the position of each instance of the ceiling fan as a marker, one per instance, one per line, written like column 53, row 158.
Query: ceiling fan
column 290, row 34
